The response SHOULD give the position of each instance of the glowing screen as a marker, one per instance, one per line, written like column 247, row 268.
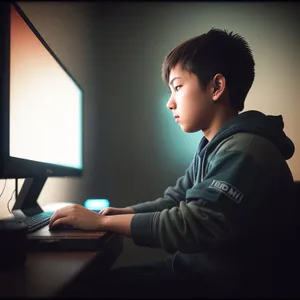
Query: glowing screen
column 45, row 103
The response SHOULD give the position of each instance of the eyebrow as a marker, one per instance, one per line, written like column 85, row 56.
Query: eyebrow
column 173, row 80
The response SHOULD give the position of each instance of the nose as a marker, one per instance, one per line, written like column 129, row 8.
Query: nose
column 171, row 104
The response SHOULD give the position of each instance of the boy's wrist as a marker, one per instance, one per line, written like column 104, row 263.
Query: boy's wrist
column 116, row 223
column 102, row 223
column 128, row 210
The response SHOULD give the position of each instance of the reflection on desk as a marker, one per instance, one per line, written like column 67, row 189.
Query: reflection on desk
column 67, row 240
column 48, row 274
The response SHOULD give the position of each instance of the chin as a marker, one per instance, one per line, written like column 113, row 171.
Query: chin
column 189, row 129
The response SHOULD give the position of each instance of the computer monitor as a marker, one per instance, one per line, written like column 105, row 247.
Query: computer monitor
column 41, row 110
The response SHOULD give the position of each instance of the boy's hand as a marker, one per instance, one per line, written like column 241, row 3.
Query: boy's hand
column 77, row 216
column 81, row 218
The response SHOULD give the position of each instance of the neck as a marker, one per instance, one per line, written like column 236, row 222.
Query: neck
column 222, row 117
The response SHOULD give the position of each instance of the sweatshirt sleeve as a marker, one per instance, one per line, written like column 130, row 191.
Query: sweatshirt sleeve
column 172, row 197
column 215, row 210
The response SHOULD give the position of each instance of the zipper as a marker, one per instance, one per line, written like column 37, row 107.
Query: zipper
column 195, row 164
column 202, row 165
column 174, row 260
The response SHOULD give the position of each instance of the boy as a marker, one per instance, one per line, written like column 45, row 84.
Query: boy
column 222, row 218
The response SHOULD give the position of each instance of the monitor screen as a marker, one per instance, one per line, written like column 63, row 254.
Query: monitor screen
column 45, row 103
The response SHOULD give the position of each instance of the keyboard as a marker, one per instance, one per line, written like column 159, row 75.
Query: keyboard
column 37, row 221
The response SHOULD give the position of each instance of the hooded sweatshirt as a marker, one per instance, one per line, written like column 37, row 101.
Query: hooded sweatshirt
column 225, row 215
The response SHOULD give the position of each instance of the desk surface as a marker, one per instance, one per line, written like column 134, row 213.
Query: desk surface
column 45, row 274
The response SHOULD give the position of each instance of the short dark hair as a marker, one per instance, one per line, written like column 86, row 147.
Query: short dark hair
column 217, row 51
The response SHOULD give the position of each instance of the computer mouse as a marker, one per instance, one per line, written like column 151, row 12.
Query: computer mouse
column 62, row 227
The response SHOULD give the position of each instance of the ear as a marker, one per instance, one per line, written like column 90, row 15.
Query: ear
column 218, row 85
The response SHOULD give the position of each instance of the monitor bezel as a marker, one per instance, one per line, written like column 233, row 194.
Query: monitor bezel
column 16, row 167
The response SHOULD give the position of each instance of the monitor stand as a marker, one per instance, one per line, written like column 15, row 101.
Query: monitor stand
column 26, row 201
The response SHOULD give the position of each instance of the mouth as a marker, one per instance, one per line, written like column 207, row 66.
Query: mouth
column 176, row 118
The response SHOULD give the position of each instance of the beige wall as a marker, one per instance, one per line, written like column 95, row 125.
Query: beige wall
column 276, row 46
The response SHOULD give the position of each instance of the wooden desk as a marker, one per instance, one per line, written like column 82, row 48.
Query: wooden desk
column 49, row 274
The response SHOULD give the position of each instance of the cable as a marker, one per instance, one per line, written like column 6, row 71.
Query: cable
column 9, row 202
column 3, row 188
column 16, row 187
column 16, row 194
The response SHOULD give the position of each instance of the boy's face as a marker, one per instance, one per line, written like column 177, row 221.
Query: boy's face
column 192, row 105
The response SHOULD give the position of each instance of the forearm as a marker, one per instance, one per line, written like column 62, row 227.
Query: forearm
column 153, row 206
column 117, row 223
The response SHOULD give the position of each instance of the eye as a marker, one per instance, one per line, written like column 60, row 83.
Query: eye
column 177, row 87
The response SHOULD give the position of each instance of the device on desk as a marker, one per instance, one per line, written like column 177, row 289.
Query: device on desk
column 41, row 115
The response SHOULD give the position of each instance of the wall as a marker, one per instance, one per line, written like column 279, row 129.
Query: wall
column 133, row 147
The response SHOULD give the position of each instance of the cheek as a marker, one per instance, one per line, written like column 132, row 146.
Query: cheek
column 192, row 103
column 199, row 111
column 186, row 100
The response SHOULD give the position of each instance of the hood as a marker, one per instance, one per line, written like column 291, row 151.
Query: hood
column 269, row 127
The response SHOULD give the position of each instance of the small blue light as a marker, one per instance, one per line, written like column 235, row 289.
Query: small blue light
column 96, row 204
